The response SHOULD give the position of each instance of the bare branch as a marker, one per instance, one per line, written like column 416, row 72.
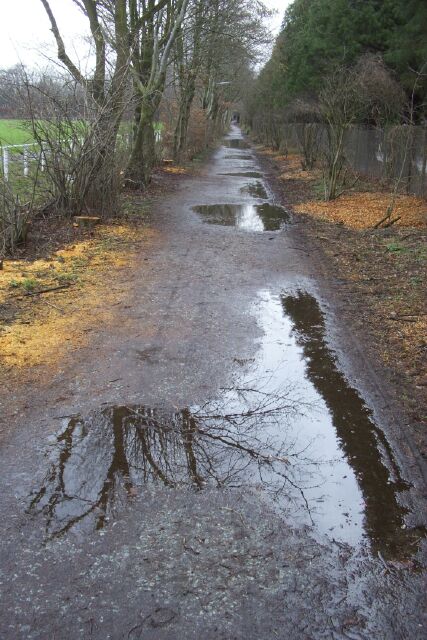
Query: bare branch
column 62, row 54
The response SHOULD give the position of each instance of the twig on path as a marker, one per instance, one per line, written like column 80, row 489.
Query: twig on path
column 405, row 317
column 386, row 217
column 387, row 568
column 40, row 291
column 389, row 224
column 55, row 307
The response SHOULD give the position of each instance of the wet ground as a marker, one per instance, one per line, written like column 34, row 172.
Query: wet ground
column 224, row 465
column 251, row 217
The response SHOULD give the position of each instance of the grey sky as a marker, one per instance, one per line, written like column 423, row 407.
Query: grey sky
column 25, row 35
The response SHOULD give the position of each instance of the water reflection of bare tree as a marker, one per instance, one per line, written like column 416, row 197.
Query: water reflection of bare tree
column 363, row 443
column 100, row 460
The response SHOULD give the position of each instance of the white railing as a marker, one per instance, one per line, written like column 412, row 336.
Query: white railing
column 22, row 156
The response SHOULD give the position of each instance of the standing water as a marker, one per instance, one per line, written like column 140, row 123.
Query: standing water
column 288, row 424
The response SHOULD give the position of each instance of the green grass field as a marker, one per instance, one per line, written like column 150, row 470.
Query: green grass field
column 13, row 132
column 17, row 131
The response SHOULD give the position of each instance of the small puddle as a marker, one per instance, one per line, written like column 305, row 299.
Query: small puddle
column 289, row 425
column 248, row 217
column 236, row 143
column 255, row 190
column 241, row 156
column 243, row 174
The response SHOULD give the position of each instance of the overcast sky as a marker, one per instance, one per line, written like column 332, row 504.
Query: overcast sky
column 25, row 35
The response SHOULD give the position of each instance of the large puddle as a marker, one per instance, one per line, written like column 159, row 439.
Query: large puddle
column 289, row 424
column 236, row 143
column 247, row 217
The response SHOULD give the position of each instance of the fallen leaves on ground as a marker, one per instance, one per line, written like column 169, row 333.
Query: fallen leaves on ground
column 294, row 170
column 175, row 170
column 383, row 276
column 40, row 329
column 362, row 210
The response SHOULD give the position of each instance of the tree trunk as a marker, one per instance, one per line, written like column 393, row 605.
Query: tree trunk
column 95, row 185
column 335, row 159
column 143, row 156
column 181, row 129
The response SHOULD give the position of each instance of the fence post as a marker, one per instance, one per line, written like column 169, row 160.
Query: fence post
column 25, row 159
column 42, row 158
column 5, row 161
column 423, row 189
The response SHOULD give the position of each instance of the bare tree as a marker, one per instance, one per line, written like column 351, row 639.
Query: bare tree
column 234, row 38
column 14, row 217
column 153, row 29
column 188, row 62
column 365, row 92
column 105, row 91
column 401, row 144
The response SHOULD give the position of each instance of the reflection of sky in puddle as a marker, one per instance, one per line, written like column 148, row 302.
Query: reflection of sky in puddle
column 289, row 424
column 236, row 143
column 256, row 190
column 247, row 217
column 329, row 483
column 358, row 498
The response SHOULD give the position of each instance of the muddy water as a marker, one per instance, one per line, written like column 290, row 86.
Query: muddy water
column 236, row 143
column 243, row 174
column 255, row 190
column 248, row 217
column 289, row 424
column 240, row 156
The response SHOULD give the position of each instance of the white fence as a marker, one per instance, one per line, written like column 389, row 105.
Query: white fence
column 21, row 155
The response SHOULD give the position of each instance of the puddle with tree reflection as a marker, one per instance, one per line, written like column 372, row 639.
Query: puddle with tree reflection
column 255, row 190
column 240, row 156
column 248, row 217
column 289, row 425
column 236, row 143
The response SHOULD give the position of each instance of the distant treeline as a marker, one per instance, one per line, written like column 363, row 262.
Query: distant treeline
column 319, row 36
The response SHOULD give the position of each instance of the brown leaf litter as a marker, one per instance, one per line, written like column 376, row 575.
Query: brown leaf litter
column 41, row 328
column 362, row 210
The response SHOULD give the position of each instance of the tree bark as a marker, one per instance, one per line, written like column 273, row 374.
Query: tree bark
column 181, row 128
column 143, row 156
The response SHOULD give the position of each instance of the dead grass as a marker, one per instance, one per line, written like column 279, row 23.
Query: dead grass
column 41, row 329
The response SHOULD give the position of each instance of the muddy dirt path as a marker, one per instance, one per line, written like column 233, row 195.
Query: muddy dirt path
column 221, row 465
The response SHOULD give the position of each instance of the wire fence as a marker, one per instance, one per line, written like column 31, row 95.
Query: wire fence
column 398, row 153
